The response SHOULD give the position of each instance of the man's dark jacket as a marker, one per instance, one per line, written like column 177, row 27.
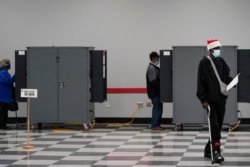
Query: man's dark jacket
column 153, row 80
column 208, row 89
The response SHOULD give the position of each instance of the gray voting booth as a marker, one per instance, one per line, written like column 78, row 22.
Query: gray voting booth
column 69, row 81
column 183, row 75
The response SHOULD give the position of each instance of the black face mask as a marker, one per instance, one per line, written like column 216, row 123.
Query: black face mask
column 7, row 67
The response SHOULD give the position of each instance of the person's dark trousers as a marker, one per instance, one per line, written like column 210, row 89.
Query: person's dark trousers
column 3, row 115
column 216, row 121
column 156, row 112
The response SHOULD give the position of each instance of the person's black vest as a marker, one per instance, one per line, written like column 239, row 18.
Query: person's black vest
column 153, row 87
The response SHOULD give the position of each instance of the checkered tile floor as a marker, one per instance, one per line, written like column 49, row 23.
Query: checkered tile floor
column 123, row 146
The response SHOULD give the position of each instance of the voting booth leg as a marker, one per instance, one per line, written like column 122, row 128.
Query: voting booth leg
column 28, row 146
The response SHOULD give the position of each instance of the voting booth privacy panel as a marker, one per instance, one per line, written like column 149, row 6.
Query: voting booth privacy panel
column 69, row 81
column 244, row 69
column 179, row 68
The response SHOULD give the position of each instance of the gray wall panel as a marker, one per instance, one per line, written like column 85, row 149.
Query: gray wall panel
column 187, row 108
column 62, row 77
column 229, row 53
column 74, row 73
column 42, row 75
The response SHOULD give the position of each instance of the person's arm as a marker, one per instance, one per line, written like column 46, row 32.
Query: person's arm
column 201, row 87
column 227, row 71
column 7, row 79
column 153, row 79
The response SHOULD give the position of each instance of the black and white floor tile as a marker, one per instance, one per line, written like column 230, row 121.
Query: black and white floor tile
column 119, row 146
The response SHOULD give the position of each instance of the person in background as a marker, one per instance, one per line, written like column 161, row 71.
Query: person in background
column 153, row 90
column 208, row 92
column 6, row 88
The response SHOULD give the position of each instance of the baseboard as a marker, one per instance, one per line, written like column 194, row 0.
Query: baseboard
column 120, row 120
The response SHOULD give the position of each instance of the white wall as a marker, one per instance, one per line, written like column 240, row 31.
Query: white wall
column 128, row 29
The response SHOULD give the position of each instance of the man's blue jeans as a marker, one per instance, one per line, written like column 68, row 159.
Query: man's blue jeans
column 156, row 112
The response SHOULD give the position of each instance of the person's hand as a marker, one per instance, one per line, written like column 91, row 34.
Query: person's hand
column 205, row 105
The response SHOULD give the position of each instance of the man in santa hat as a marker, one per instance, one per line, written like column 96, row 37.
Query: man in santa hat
column 209, row 93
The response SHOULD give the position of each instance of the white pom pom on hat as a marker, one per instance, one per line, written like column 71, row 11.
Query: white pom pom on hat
column 213, row 43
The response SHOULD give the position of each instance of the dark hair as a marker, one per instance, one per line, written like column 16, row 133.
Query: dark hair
column 153, row 55
column 4, row 63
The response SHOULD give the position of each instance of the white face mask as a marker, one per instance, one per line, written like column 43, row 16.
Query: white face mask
column 157, row 63
column 216, row 53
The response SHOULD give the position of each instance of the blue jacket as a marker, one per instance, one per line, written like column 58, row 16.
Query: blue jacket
column 6, row 84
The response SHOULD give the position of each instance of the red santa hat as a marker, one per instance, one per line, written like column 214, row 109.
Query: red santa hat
column 213, row 43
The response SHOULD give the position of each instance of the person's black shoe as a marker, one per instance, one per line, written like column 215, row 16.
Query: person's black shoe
column 218, row 158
